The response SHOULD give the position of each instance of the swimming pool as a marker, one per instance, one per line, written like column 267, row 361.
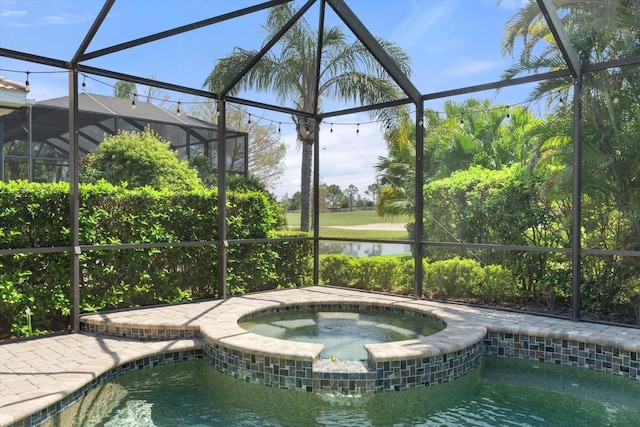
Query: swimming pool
column 122, row 341
column 499, row 392
column 470, row 333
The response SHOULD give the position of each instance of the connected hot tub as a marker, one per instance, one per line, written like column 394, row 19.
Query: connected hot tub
column 453, row 348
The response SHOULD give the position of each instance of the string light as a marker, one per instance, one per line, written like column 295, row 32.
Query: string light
column 280, row 123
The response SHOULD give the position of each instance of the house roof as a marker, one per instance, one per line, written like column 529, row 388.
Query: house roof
column 10, row 85
column 109, row 105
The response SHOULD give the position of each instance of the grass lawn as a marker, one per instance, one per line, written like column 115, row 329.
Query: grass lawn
column 328, row 220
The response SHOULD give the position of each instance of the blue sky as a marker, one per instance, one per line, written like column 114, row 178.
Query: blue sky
column 452, row 43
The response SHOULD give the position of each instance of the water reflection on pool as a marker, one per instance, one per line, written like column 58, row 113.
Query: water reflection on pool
column 343, row 334
column 501, row 392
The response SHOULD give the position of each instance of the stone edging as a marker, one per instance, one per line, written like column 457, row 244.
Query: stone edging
column 591, row 346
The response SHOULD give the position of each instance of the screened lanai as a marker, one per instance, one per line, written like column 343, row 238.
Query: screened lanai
column 35, row 139
column 560, row 77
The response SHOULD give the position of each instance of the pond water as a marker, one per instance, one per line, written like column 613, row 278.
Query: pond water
column 361, row 249
column 343, row 334
column 501, row 392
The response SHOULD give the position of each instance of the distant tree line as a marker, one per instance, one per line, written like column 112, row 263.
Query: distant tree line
column 333, row 197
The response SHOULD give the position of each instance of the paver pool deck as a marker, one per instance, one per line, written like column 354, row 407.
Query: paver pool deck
column 37, row 373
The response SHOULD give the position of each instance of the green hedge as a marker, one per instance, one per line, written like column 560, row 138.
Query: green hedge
column 453, row 278
column 34, row 215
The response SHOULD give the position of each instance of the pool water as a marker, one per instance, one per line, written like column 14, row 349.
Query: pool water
column 343, row 333
column 501, row 392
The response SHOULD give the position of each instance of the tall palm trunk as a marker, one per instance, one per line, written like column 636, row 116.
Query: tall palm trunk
column 305, row 183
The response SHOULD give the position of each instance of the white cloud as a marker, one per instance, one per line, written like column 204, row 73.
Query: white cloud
column 513, row 4
column 11, row 13
column 55, row 20
column 411, row 31
column 346, row 157
column 465, row 68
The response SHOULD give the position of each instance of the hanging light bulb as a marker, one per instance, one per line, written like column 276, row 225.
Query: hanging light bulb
column 84, row 83
column 461, row 118
column 178, row 110
column 26, row 84
column 331, row 130
column 279, row 127
column 358, row 129
column 249, row 120
column 133, row 101
column 508, row 113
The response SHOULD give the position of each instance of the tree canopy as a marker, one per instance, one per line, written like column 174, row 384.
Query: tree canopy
column 139, row 159
column 347, row 72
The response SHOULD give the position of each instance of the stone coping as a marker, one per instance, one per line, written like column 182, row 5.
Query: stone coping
column 218, row 323
column 37, row 375
column 38, row 372
column 217, row 320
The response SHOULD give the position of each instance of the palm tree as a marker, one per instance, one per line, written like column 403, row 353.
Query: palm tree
column 396, row 172
column 473, row 132
column 347, row 72
column 598, row 31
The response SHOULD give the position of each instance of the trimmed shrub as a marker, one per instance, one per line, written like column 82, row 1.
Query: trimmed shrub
column 294, row 265
column 141, row 159
column 376, row 273
column 35, row 215
column 338, row 270
column 452, row 278
column 498, row 285
column 382, row 274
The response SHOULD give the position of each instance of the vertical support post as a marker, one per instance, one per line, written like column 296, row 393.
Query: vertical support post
column 1, row 151
column 222, row 201
column 74, row 199
column 316, row 201
column 187, row 140
column 30, row 139
column 245, row 144
column 418, row 250
column 576, row 234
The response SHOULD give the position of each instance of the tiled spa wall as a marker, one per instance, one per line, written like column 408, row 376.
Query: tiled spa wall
column 344, row 377
column 426, row 371
column 149, row 333
column 566, row 352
